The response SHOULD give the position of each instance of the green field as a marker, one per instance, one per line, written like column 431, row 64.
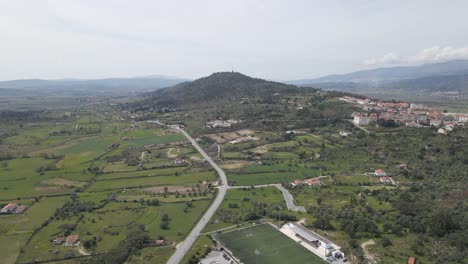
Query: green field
column 43, row 165
column 264, row 244
column 266, row 174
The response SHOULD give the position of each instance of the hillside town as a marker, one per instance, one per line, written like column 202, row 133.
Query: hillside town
column 403, row 113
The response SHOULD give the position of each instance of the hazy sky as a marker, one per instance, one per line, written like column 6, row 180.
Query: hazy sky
column 270, row 39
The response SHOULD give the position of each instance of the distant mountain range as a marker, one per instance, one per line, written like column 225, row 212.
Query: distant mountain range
column 449, row 76
column 438, row 77
column 217, row 87
column 109, row 85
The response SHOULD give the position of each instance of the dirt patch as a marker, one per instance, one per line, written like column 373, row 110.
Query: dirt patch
column 55, row 188
column 196, row 159
column 82, row 252
column 369, row 256
column 230, row 135
column 216, row 138
column 171, row 156
column 235, row 164
column 261, row 149
column 245, row 132
column 62, row 182
column 243, row 139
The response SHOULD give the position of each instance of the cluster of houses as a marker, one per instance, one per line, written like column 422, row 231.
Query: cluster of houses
column 68, row 241
column 221, row 123
column 385, row 177
column 309, row 182
column 411, row 115
column 13, row 208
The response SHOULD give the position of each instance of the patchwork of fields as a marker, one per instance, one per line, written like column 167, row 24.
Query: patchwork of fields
column 104, row 182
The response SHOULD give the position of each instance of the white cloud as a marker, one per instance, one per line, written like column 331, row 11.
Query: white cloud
column 389, row 58
column 428, row 55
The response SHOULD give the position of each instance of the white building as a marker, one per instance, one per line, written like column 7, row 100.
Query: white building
column 315, row 243
column 221, row 123
column 462, row 118
column 361, row 120
column 380, row 172
column 435, row 122
column 345, row 133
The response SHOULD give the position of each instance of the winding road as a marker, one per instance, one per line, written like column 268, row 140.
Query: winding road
column 185, row 245
column 288, row 198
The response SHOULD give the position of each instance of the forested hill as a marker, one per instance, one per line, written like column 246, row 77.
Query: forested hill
column 216, row 88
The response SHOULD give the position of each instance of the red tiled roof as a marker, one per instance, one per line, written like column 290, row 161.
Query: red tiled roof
column 411, row 260
column 71, row 239
column 296, row 182
column 384, row 178
column 10, row 206
column 21, row 209
column 313, row 181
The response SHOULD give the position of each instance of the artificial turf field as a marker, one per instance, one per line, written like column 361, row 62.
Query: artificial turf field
column 265, row 244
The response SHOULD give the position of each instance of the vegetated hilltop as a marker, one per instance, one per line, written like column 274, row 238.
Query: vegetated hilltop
column 218, row 87
column 258, row 104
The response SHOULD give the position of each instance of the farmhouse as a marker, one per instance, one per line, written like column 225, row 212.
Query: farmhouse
column 296, row 182
column 157, row 243
column 21, row 209
column 386, row 179
column 59, row 240
column 9, row 208
column 72, row 240
column 160, row 242
column 380, row 172
column 312, row 181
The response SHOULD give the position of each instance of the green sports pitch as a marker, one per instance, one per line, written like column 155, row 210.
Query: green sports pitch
column 265, row 244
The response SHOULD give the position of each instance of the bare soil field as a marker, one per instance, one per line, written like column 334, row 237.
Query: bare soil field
column 245, row 132
column 216, row 138
column 230, row 135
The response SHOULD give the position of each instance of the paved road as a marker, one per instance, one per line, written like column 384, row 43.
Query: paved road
column 288, row 198
column 185, row 245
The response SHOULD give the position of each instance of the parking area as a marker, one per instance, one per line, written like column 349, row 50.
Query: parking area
column 218, row 257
